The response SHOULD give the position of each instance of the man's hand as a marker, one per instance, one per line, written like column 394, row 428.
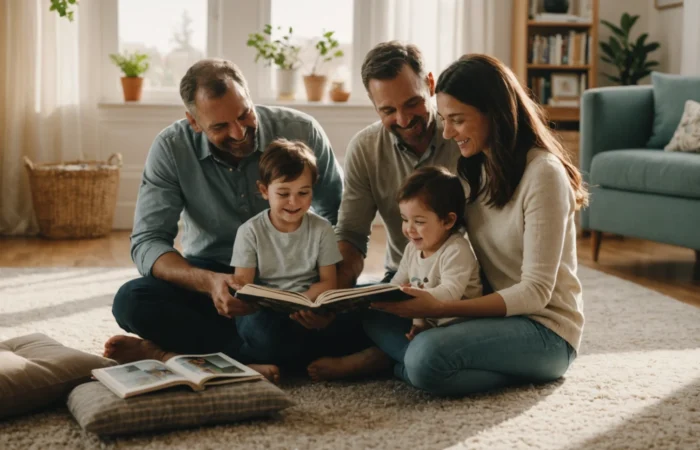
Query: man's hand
column 226, row 304
column 311, row 320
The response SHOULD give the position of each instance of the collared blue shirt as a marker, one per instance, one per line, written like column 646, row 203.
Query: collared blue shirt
column 183, row 178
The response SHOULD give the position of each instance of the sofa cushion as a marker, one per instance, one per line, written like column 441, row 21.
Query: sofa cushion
column 687, row 135
column 644, row 170
column 36, row 371
column 670, row 94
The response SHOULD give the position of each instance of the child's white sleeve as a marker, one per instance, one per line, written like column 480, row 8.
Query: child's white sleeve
column 402, row 276
column 459, row 269
column 245, row 248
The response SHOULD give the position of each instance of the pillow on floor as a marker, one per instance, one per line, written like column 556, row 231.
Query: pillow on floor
column 36, row 371
column 100, row 411
column 687, row 135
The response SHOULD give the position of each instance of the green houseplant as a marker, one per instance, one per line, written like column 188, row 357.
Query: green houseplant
column 132, row 65
column 282, row 53
column 628, row 56
column 327, row 49
column 64, row 8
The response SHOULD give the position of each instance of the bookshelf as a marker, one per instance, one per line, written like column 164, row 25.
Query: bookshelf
column 556, row 54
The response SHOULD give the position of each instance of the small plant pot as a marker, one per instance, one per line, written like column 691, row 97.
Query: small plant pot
column 132, row 87
column 315, row 86
column 338, row 94
column 287, row 84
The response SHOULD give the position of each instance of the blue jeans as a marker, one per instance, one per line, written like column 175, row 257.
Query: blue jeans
column 473, row 356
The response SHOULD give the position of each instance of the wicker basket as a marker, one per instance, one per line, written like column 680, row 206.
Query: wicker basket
column 75, row 199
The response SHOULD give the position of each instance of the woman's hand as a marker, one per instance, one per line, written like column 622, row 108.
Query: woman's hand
column 311, row 320
column 422, row 305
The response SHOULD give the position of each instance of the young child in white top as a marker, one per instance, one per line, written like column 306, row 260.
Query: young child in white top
column 438, row 257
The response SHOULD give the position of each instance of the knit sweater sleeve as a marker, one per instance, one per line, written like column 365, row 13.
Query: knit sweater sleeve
column 548, row 201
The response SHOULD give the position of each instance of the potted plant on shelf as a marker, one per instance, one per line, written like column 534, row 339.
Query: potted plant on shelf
column 132, row 65
column 283, row 54
column 315, row 83
column 628, row 56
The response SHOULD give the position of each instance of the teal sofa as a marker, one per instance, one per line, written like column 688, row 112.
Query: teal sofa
column 636, row 190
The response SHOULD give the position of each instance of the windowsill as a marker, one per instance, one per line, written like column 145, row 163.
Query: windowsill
column 267, row 102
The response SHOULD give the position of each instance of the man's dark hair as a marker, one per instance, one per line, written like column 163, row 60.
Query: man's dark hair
column 211, row 75
column 386, row 60
column 439, row 190
column 287, row 160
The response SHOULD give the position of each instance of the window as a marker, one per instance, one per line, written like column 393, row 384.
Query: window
column 304, row 18
column 172, row 32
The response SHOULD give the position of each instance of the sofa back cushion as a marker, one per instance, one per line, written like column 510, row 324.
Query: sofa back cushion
column 670, row 94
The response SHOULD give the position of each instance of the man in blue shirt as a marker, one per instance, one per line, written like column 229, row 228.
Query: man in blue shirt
column 203, row 171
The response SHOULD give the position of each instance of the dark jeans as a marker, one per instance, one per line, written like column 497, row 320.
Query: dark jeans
column 181, row 321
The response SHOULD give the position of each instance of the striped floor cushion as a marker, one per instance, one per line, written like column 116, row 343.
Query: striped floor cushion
column 99, row 411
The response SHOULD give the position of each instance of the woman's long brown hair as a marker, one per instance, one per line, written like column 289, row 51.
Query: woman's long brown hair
column 517, row 125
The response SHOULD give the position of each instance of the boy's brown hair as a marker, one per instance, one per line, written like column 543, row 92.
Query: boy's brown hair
column 439, row 190
column 286, row 159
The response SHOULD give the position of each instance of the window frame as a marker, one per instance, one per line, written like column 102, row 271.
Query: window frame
column 109, row 88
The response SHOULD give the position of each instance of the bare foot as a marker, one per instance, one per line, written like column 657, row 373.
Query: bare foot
column 269, row 371
column 126, row 349
column 366, row 362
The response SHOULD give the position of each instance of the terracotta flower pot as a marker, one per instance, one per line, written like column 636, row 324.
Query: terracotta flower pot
column 338, row 92
column 315, row 87
column 132, row 87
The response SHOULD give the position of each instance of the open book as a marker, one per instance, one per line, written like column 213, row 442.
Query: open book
column 195, row 371
column 334, row 300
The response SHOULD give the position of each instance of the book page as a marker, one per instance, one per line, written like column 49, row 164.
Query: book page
column 276, row 294
column 341, row 294
column 214, row 366
column 138, row 377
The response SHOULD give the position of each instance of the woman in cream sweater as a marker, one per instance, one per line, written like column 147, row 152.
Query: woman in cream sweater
column 523, row 192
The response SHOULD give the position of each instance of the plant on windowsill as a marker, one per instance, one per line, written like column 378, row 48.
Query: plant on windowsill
column 327, row 48
column 283, row 54
column 132, row 65
column 629, row 57
column 63, row 8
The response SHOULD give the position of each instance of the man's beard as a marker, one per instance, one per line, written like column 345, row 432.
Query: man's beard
column 418, row 122
column 239, row 148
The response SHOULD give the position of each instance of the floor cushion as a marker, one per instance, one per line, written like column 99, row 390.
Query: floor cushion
column 36, row 371
column 100, row 411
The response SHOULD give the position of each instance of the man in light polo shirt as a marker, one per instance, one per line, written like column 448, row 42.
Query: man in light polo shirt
column 379, row 158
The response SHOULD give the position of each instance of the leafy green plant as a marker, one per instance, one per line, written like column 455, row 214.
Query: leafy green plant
column 325, row 47
column 132, row 65
column 63, row 8
column 281, row 52
column 629, row 57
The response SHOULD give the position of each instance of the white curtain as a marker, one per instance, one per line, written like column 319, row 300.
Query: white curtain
column 690, row 43
column 49, row 97
column 444, row 30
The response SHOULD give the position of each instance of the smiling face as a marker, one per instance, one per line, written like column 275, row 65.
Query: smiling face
column 403, row 104
column 228, row 121
column 289, row 200
column 464, row 123
column 423, row 227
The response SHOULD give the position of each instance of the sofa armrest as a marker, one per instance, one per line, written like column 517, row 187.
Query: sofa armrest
column 614, row 118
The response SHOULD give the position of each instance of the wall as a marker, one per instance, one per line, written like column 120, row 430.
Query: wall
column 666, row 27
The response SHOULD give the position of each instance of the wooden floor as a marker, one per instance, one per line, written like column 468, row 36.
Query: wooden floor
column 663, row 268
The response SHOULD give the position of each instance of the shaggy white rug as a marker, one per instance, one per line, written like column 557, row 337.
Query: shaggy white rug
column 636, row 383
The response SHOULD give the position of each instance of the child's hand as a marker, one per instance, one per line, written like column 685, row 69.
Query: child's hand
column 415, row 329
column 311, row 320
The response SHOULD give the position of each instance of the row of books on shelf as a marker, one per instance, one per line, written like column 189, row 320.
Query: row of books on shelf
column 571, row 49
column 558, row 89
